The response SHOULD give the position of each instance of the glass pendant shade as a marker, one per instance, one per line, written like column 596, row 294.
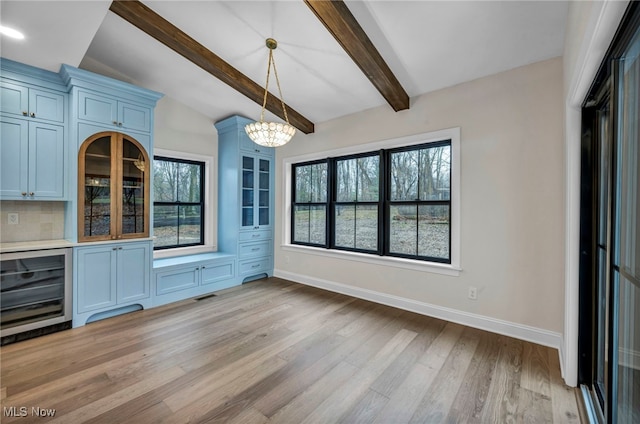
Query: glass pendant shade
column 270, row 134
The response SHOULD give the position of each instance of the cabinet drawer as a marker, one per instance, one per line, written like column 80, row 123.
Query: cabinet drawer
column 255, row 266
column 214, row 272
column 254, row 250
column 255, row 235
column 170, row 281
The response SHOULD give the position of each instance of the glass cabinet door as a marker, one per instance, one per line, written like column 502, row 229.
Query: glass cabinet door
column 96, row 208
column 263, row 192
column 134, row 171
column 248, row 184
column 114, row 188
column 256, row 192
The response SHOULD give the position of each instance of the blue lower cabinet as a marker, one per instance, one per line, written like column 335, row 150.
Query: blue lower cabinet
column 191, row 276
column 110, row 279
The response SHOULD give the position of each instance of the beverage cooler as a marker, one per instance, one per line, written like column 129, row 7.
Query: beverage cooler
column 35, row 293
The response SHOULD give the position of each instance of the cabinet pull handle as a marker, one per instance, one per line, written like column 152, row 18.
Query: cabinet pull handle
column 25, row 113
column 255, row 266
column 255, row 249
column 255, row 236
column 33, row 115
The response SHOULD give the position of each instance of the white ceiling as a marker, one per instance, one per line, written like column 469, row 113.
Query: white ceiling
column 428, row 45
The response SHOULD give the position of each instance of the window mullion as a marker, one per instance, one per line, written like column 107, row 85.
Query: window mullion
column 382, row 202
column 331, row 206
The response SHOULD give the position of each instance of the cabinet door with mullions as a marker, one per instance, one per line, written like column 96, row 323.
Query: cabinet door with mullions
column 113, row 188
column 256, row 192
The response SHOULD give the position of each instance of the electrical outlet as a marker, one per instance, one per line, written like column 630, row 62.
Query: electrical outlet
column 473, row 293
column 13, row 218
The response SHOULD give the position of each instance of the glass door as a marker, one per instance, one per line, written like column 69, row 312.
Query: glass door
column 626, row 240
column 602, row 300
column 610, row 233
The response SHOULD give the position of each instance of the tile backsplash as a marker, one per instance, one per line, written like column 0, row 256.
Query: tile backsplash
column 36, row 221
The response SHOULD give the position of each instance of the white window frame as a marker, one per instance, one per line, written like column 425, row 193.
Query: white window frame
column 209, row 245
column 452, row 269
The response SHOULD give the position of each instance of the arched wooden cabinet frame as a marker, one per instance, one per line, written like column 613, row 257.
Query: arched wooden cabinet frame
column 122, row 168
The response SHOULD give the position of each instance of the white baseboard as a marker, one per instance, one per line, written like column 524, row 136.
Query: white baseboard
column 518, row 331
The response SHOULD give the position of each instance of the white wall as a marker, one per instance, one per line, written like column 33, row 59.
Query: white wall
column 179, row 128
column 511, row 203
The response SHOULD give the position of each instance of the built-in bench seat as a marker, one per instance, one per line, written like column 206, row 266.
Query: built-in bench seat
column 182, row 277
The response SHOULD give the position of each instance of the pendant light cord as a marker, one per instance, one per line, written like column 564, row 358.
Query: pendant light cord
column 266, row 88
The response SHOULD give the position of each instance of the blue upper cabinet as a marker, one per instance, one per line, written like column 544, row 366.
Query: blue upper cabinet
column 33, row 110
column 245, row 198
column 22, row 100
column 99, row 103
column 113, row 113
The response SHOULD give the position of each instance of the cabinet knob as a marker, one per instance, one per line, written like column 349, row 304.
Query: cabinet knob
column 197, row 268
column 114, row 248
column 24, row 193
column 120, row 248
column 25, row 113
column 31, row 193
column 33, row 115
column 119, row 124
column 115, row 122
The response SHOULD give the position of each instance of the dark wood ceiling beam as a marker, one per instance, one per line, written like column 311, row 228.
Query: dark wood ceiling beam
column 171, row 36
column 337, row 18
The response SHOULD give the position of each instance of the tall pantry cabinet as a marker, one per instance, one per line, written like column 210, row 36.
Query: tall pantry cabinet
column 245, row 199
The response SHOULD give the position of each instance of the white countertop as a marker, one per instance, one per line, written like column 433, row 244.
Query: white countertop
column 22, row 246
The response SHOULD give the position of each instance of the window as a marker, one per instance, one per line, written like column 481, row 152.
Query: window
column 179, row 202
column 309, row 216
column 357, row 209
column 419, row 202
column 394, row 202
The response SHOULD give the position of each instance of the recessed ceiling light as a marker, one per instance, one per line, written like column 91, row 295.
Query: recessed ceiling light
column 10, row 32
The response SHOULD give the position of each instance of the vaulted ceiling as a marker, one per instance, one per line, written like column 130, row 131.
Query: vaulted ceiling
column 427, row 45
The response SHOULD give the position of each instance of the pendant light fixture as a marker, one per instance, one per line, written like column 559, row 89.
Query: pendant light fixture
column 271, row 134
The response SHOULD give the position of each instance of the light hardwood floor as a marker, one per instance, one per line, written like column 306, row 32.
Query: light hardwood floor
column 277, row 351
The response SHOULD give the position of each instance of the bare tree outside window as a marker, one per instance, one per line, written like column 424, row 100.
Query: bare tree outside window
column 178, row 205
